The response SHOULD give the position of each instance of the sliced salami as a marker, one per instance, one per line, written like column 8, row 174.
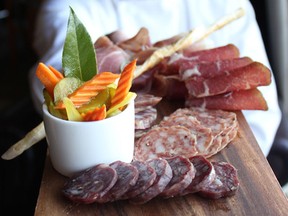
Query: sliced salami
column 205, row 174
column 163, row 176
column 142, row 101
column 183, row 174
column 146, row 178
column 203, row 134
column 127, row 177
column 145, row 118
column 165, row 142
column 225, row 184
column 90, row 185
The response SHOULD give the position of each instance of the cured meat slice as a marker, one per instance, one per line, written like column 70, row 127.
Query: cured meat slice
column 91, row 184
column 211, row 69
column 165, row 142
column 205, row 175
column 171, row 65
column 142, row 101
column 225, row 184
column 247, row 77
column 203, row 134
column 117, row 36
column 183, row 174
column 127, row 177
column 163, row 176
column 251, row 99
column 146, row 178
column 145, row 118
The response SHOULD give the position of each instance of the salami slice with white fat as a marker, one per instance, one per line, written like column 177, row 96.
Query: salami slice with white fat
column 205, row 174
column 142, row 101
column 91, row 184
column 146, row 178
column 183, row 174
column 163, row 176
column 225, row 184
column 145, row 118
column 127, row 176
column 165, row 142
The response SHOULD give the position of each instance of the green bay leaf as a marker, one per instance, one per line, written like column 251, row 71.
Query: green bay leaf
column 79, row 56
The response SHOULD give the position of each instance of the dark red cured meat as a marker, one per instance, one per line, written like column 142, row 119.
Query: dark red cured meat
column 165, row 142
column 251, row 99
column 225, row 184
column 170, row 87
column 247, row 77
column 205, row 174
column 91, row 184
column 211, row 69
column 127, row 177
column 164, row 175
column 183, row 174
column 146, row 178
column 142, row 101
column 171, row 65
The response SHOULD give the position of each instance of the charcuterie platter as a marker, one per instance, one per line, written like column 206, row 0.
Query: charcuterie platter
column 259, row 192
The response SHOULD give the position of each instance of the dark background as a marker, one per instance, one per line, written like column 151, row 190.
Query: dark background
column 20, row 178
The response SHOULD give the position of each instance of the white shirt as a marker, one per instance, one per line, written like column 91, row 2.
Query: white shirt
column 163, row 18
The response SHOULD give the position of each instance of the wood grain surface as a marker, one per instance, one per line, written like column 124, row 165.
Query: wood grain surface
column 259, row 192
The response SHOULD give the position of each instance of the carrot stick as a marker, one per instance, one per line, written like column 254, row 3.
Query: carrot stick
column 90, row 89
column 124, row 84
column 56, row 72
column 47, row 77
column 98, row 113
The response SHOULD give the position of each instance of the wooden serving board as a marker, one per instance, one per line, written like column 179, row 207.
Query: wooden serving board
column 259, row 192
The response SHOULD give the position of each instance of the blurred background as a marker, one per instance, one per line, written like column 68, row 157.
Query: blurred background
column 20, row 178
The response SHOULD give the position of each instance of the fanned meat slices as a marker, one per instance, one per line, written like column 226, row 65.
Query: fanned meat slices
column 145, row 118
column 164, row 175
column 183, row 174
column 146, row 178
column 165, row 142
column 225, row 184
column 90, row 185
column 127, row 176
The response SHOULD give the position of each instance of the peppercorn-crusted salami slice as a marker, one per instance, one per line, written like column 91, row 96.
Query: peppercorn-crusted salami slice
column 225, row 184
column 163, row 176
column 165, row 142
column 183, row 174
column 127, row 177
column 146, row 178
column 91, row 184
column 205, row 174
column 145, row 118
column 203, row 134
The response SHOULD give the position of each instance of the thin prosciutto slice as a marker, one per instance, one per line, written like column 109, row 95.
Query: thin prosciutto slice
column 211, row 69
column 247, row 77
column 251, row 99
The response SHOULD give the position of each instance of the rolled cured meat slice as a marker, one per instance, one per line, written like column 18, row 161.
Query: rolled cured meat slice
column 165, row 142
column 91, row 184
column 226, row 182
column 247, row 77
column 205, row 174
column 146, row 178
column 183, row 174
column 163, row 176
column 127, row 177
